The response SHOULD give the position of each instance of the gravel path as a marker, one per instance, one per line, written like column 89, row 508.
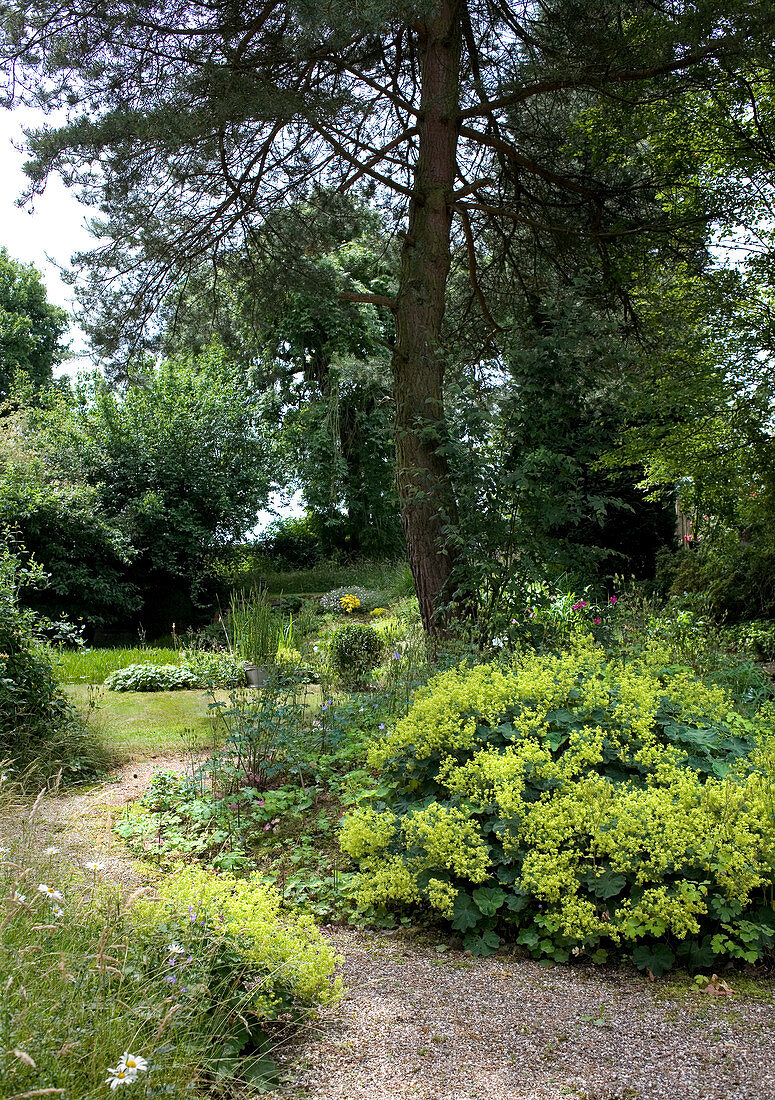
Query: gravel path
column 417, row 1024
column 428, row 1027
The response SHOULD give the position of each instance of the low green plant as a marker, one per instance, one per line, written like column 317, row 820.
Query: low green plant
column 175, row 992
column 577, row 804
column 279, row 818
column 248, row 570
column 152, row 678
column 538, row 617
column 756, row 636
column 214, row 667
column 355, row 649
column 220, row 810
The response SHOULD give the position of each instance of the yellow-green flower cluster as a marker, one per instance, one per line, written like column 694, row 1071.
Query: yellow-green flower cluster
column 623, row 856
column 284, row 946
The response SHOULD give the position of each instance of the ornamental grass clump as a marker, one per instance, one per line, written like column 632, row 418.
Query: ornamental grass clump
column 576, row 804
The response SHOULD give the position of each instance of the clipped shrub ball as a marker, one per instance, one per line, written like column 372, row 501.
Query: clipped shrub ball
column 574, row 805
column 355, row 650
column 152, row 678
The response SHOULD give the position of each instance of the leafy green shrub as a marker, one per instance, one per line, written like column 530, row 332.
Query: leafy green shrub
column 152, row 678
column 188, row 981
column 734, row 579
column 214, row 667
column 577, row 804
column 355, row 649
column 40, row 733
column 756, row 636
column 291, row 543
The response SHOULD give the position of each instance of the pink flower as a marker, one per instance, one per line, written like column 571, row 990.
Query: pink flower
column 597, row 621
column 612, row 599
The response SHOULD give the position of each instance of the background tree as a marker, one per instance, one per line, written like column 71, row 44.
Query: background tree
column 324, row 360
column 204, row 119
column 179, row 463
column 61, row 525
column 31, row 329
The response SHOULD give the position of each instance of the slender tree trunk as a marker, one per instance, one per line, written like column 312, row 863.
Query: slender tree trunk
column 424, row 485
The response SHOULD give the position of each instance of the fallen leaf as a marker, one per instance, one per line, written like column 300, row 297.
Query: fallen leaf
column 718, row 988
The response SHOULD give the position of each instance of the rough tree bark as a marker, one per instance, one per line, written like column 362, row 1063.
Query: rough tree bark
column 423, row 477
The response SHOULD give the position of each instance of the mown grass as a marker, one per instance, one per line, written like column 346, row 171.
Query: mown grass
column 394, row 577
column 91, row 666
column 135, row 724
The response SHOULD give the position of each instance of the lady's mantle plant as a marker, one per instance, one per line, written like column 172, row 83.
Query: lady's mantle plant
column 576, row 804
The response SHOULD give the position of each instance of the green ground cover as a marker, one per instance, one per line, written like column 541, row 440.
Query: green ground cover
column 392, row 576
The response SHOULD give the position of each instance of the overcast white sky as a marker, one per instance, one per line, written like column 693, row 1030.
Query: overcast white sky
column 54, row 227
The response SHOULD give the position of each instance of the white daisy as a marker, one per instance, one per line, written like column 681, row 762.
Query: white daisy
column 176, row 949
column 58, row 911
column 94, row 866
column 16, row 896
column 120, row 1076
column 132, row 1063
column 51, row 850
column 49, row 892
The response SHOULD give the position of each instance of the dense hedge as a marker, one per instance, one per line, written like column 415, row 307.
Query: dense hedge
column 577, row 804
column 40, row 733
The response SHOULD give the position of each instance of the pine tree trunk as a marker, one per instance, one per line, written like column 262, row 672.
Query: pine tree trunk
column 424, row 484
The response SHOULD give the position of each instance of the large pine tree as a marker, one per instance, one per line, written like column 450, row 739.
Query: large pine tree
column 190, row 122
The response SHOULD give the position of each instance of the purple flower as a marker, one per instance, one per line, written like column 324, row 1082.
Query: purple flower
column 382, row 726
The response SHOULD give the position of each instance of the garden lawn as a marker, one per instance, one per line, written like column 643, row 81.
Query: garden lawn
column 135, row 724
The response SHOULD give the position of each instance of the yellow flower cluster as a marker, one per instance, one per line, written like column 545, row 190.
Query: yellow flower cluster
column 438, row 838
column 663, row 836
column 349, row 603
column 285, row 946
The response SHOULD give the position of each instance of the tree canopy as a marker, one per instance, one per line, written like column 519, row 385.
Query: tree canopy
column 31, row 329
column 176, row 466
